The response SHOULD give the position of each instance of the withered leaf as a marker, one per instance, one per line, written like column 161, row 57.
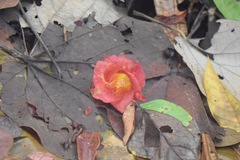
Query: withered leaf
column 151, row 141
column 87, row 144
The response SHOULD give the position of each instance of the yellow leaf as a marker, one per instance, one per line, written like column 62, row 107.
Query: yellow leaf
column 113, row 148
column 224, row 107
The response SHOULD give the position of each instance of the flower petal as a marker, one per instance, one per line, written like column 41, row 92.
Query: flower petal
column 118, row 80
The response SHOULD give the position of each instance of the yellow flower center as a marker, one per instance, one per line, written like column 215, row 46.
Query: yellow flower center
column 121, row 82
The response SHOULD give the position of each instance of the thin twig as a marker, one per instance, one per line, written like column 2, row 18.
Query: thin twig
column 24, row 42
column 40, row 40
column 196, row 24
column 136, row 13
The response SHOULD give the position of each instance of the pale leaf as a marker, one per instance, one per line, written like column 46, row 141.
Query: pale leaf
column 226, row 55
column 224, row 107
column 65, row 12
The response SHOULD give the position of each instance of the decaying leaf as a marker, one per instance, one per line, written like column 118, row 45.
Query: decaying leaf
column 230, row 138
column 50, row 105
column 4, row 38
column 113, row 148
column 225, row 54
column 87, row 145
column 208, row 148
column 224, row 107
column 184, row 93
column 20, row 150
column 227, row 153
column 115, row 119
column 159, row 136
column 58, row 11
column 8, row 3
column 10, row 126
column 128, row 121
column 6, row 142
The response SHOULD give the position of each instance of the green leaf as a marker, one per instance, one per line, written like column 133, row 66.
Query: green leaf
column 229, row 8
column 168, row 108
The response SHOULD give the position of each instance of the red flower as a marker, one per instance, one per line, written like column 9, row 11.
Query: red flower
column 118, row 80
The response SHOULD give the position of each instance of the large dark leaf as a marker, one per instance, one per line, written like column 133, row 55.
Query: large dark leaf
column 160, row 136
column 53, row 106
column 184, row 93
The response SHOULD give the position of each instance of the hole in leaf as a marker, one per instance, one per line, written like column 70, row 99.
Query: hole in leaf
column 57, row 23
column 220, row 77
column 166, row 129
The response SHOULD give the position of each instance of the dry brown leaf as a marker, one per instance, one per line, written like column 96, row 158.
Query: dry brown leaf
column 128, row 121
column 172, row 34
column 8, row 3
column 167, row 8
column 4, row 37
column 87, row 144
column 208, row 148
column 168, row 13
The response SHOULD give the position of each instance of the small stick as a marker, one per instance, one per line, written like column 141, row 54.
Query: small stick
column 136, row 13
column 40, row 40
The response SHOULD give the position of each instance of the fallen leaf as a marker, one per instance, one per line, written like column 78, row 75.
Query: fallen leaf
column 8, row 3
column 208, row 148
column 225, row 54
column 4, row 38
column 157, row 137
column 168, row 108
column 113, row 148
column 105, row 11
column 20, row 150
column 41, row 156
column 59, row 102
column 227, row 153
column 10, row 126
column 167, row 8
column 128, row 121
column 223, row 105
column 231, row 137
column 6, row 142
column 184, row 93
column 49, row 129
column 115, row 119
column 87, row 144
column 229, row 8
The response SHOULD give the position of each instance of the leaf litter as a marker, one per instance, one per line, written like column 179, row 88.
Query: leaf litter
column 50, row 105
column 76, row 68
